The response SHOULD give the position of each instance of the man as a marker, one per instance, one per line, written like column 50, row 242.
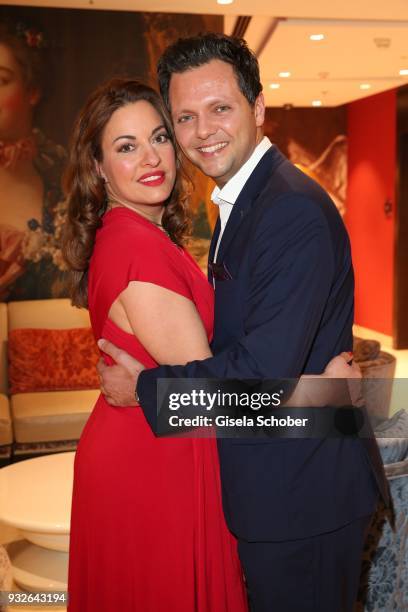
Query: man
column 283, row 306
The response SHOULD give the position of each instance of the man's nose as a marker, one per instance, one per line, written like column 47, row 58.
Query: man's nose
column 205, row 127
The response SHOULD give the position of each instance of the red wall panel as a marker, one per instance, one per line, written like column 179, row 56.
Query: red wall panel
column 371, row 128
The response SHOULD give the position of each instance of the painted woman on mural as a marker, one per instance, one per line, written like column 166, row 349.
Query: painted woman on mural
column 31, row 208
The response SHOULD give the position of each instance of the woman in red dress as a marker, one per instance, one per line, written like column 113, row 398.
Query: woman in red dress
column 147, row 528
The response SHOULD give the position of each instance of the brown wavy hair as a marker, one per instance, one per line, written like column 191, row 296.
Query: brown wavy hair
column 85, row 189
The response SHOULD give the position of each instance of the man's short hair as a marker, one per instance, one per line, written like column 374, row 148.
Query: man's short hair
column 195, row 51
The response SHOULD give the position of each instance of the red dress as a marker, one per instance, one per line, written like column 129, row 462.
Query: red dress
column 147, row 529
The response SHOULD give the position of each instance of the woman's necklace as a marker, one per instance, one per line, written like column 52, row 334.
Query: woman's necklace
column 147, row 217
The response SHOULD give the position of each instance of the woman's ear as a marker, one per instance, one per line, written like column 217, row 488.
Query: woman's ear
column 99, row 171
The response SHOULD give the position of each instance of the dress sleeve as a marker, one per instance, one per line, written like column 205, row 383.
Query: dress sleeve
column 135, row 255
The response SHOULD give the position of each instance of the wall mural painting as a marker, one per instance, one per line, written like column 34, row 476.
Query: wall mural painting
column 314, row 140
column 49, row 64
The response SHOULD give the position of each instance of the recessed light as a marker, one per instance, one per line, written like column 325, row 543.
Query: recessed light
column 225, row 1
column 404, row 72
column 284, row 75
column 274, row 85
column 317, row 37
column 382, row 42
column 365, row 86
column 316, row 102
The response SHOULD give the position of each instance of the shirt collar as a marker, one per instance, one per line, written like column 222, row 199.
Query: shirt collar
column 231, row 190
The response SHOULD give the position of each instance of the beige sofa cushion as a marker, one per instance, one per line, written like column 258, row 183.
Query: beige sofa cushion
column 6, row 432
column 51, row 416
column 46, row 314
column 3, row 348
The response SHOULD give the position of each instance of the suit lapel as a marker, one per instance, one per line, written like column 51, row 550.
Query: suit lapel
column 213, row 246
column 214, row 240
column 248, row 195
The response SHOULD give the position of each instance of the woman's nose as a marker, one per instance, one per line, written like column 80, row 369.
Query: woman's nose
column 150, row 156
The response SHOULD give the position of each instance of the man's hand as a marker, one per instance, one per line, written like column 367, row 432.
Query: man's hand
column 118, row 382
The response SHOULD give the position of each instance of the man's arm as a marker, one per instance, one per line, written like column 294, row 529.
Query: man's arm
column 292, row 272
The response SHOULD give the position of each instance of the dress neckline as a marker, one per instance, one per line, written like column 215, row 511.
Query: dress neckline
column 127, row 212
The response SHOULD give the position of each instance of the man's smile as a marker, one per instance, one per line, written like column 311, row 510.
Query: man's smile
column 211, row 149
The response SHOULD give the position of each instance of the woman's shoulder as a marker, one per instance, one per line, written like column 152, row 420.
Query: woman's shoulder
column 127, row 249
column 122, row 225
column 125, row 234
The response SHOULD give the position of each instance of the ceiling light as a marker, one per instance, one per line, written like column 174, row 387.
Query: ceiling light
column 365, row 86
column 382, row 42
column 404, row 72
column 284, row 75
column 316, row 103
column 317, row 37
column 274, row 85
column 225, row 1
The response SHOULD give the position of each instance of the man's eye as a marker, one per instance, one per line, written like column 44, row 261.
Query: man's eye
column 222, row 108
column 183, row 118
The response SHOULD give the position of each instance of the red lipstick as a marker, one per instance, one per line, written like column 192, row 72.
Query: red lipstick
column 152, row 179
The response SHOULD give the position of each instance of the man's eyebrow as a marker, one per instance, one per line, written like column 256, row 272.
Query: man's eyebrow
column 210, row 103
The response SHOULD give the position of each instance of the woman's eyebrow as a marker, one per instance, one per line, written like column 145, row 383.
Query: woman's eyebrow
column 124, row 136
column 159, row 127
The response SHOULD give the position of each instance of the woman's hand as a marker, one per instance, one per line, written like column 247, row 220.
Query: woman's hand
column 342, row 366
column 345, row 385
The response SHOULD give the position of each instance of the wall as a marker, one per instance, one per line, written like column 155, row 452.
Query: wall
column 70, row 52
column 371, row 128
column 315, row 140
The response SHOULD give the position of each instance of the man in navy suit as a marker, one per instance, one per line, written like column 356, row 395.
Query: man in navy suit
column 284, row 288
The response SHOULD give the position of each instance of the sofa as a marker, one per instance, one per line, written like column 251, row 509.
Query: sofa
column 384, row 581
column 378, row 370
column 47, row 410
column 6, row 431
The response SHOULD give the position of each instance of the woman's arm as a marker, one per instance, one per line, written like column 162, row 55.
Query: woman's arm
column 166, row 323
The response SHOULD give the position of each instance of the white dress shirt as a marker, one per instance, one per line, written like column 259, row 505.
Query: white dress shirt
column 226, row 197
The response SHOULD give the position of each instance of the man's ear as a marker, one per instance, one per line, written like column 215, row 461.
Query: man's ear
column 259, row 110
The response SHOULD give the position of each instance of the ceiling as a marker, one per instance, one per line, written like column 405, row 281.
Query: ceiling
column 366, row 42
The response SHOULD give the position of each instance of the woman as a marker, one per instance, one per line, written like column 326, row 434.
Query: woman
column 147, row 529
column 31, row 212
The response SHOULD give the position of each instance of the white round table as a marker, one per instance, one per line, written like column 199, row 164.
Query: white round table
column 35, row 497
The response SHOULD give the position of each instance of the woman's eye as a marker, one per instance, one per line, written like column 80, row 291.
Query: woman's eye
column 161, row 138
column 125, row 148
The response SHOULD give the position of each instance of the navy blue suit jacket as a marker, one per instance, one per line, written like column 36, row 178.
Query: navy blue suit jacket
column 287, row 310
